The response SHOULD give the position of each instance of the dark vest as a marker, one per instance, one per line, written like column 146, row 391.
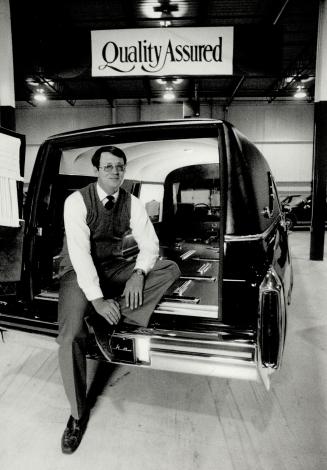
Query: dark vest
column 107, row 228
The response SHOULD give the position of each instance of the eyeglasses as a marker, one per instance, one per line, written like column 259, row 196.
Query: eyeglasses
column 108, row 168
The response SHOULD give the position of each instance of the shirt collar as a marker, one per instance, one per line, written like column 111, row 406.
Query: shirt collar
column 103, row 195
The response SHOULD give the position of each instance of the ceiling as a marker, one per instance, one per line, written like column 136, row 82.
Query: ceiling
column 274, row 48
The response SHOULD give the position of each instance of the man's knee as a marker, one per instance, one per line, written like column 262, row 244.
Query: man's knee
column 72, row 328
column 174, row 270
column 169, row 270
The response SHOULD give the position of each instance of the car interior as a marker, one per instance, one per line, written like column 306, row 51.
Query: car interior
column 182, row 198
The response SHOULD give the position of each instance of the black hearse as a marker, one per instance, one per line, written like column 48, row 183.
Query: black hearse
column 213, row 202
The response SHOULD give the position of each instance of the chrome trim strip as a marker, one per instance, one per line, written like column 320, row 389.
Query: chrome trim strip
column 200, row 278
column 138, row 125
column 205, row 342
column 181, row 299
column 246, row 338
column 214, row 367
column 209, row 347
column 45, row 297
column 227, row 356
column 187, row 312
column 182, row 288
column 194, row 309
column 187, row 254
column 254, row 237
column 204, row 268
column 45, row 294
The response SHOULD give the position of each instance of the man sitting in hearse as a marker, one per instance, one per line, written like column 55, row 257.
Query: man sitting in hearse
column 97, row 282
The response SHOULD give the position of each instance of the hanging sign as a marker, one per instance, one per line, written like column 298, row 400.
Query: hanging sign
column 162, row 52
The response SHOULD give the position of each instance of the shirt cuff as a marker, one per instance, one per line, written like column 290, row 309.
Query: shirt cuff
column 142, row 267
column 93, row 293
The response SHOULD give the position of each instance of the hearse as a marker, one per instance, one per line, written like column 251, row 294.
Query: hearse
column 213, row 202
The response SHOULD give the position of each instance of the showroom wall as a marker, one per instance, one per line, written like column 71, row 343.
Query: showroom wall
column 283, row 131
column 284, row 134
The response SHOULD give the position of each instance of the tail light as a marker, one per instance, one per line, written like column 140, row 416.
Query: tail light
column 272, row 320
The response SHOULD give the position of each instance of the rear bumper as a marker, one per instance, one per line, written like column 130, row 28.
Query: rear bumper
column 217, row 351
column 226, row 354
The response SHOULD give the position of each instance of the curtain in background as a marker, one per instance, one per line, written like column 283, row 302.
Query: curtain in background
column 9, row 175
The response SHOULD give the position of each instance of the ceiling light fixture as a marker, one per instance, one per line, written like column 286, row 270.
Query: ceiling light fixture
column 307, row 78
column 39, row 95
column 169, row 95
column 300, row 92
column 167, row 81
column 169, row 8
column 32, row 82
column 165, row 7
column 165, row 23
column 164, row 10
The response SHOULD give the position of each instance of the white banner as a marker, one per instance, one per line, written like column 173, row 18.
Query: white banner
column 9, row 174
column 162, row 52
column 9, row 156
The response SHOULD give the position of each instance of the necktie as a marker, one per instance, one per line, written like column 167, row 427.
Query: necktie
column 110, row 202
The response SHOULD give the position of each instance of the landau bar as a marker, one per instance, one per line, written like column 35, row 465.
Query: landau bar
column 154, row 57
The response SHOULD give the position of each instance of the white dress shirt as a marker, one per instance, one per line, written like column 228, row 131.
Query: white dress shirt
column 79, row 246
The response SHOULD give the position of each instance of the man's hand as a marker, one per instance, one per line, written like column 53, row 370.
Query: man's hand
column 133, row 291
column 108, row 308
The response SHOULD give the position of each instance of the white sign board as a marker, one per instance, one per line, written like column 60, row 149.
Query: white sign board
column 162, row 52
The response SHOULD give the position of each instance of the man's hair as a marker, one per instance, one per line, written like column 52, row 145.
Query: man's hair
column 110, row 149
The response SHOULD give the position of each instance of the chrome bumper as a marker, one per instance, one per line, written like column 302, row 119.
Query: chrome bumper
column 215, row 355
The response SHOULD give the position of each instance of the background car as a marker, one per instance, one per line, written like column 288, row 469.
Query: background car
column 297, row 210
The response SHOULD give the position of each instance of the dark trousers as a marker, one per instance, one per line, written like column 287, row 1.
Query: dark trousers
column 73, row 307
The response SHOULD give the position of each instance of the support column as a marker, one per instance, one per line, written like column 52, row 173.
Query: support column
column 7, row 91
column 319, row 173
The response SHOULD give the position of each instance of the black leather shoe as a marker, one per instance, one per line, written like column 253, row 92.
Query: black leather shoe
column 73, row 433
column 103, row 332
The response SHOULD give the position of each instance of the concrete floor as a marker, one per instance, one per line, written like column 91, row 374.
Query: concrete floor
column 145, row 419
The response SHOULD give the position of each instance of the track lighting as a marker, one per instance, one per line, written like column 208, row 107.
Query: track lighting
column 165, row 81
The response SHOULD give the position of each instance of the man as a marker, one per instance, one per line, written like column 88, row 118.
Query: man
column 96, row 281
